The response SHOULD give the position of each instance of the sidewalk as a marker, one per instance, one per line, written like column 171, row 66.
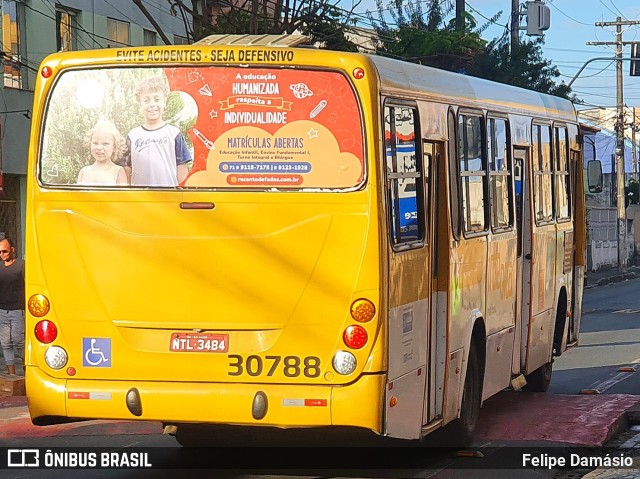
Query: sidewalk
column 625, row 443
column 608, row 275
column 626, row 433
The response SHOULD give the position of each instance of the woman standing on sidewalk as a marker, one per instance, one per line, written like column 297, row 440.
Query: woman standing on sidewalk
column 11, row 305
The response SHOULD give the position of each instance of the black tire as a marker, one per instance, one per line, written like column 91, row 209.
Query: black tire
column 460, row 432
column 538, row 381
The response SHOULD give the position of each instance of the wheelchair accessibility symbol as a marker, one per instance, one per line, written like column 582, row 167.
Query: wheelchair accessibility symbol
column 96, row 352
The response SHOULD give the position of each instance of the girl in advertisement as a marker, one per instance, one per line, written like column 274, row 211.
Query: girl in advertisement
column 107, row 145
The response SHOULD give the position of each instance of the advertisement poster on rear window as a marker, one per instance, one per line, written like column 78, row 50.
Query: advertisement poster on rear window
column 203, row 127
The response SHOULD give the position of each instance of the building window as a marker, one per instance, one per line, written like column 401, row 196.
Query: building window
column 65, row 38
column 180, row 40
column 12, row 14
column 117, row 33
column 150, row 37
column 473, row 173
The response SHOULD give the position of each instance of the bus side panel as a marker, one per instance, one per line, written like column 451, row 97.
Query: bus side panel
column 543, row 295
column 564, row 278
column 500, row 314
column 468, row 283
column 468, row 260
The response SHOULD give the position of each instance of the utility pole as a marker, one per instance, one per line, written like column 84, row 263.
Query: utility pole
column 620, row 196
column 515, row 25
column 460, row 23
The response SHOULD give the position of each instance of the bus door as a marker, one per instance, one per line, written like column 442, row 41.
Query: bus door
column 408, row 224
column 437, row 323
column 577, row 207
column 523, row 225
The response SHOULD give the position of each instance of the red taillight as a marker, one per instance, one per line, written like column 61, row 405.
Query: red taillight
column 46, row 72
column 355, row 337
column 46, row 332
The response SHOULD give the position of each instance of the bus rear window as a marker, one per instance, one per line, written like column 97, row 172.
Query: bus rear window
column 202, row 127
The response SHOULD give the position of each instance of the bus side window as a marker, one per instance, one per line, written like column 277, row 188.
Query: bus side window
column 542, row 174
column 594, row 176
column 404, row 176
column 473, row 172
column 562, row 186
column 499, row 152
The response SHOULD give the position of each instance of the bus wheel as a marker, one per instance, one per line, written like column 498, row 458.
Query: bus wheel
column 539, row 380
column 460, row 431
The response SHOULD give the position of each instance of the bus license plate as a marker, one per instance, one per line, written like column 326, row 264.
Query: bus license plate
column 208, row 343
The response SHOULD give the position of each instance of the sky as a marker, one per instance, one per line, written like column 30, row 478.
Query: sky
column 572, row 26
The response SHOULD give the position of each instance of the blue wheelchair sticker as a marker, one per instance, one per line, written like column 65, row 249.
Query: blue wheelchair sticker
column 96, row 352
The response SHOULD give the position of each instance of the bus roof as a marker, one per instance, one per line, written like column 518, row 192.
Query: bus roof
column 255, row 40
column 464, row 90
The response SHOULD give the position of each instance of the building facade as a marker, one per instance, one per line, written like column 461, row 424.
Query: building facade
column 31, row 30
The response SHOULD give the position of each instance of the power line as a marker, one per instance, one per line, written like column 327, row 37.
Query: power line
column 605, row 6
column 570, row 18
column 486, row 18
column 568, row 50
column 618, row 10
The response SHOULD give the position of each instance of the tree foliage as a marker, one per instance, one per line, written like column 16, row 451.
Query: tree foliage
column 422, row 36
column 632, row 192
column 321, row 20
column 525, row 67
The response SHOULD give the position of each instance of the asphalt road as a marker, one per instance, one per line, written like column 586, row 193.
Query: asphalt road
column 609, row 340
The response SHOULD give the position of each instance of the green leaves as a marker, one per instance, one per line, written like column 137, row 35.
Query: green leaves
column 422, row 36
column 524, row 67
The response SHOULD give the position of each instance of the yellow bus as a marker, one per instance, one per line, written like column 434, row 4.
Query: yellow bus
column 302, row 238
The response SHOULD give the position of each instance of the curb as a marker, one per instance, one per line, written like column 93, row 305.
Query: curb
column 617, row 278
column 632, row 414
column 614, row 278
column 630, row 417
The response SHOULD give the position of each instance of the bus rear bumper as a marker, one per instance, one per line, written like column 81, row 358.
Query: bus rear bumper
column 358, row 404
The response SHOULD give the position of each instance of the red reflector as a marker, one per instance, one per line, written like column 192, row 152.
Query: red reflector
column 315, row 402
column 46, row 331
column 76, row 395
column 355, row 336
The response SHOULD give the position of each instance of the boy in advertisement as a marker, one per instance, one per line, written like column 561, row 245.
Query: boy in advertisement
column 157, row 153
